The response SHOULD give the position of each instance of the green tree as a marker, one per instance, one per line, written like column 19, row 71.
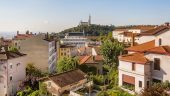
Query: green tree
column 43, row 89
column 31, row 70
column 156, row 89
column 110, row 51
column 66, row 64
column 13, row 49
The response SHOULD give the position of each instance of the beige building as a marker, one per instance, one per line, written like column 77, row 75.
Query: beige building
column 40, row 51
column 67, row 81
column 12, row 71
column 67, row 51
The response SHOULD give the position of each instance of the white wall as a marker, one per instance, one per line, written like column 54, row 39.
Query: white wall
column 142, row 73
column 164, row 73
column 18, row 73
column 144, row 39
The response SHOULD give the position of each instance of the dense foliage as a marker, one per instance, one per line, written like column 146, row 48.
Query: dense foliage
column 110, row 50
column 157, row 89
column 65, row 64
column 114, row 92
column 92, row 30
column 28, row 91
column 31, row 70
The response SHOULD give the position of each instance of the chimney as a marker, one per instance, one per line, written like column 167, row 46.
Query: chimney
column 47, row 36
column 93, row 58
column 133, row 40
column 166, row 23
column 17, row 32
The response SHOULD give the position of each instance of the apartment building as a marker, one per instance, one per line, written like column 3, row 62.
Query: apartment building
column 12, row 71
column 146, row 63
column 67, row 51
column 19, row 37
column 41, row 51
column 75, row 38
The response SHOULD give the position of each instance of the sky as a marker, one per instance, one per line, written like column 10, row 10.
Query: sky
column 57, row 15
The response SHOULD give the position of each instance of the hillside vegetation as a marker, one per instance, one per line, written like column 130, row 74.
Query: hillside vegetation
column 92, row 30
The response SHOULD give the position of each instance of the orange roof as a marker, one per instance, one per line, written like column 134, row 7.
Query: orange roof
column 160, row 50
column 23, row 36
column 142, row 47
column 135, row 57
column 157, row 30
column 90, row 59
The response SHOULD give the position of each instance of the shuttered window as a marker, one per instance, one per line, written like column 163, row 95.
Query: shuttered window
column 156, row 64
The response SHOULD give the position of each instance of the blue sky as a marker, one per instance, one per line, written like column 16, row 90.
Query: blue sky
column 56, row 15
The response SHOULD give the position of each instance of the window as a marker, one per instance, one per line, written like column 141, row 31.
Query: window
column 11, row 66
column 49, row 84
column 10, row 78
column 133, row 67
column 140, row 84
column 156, row 81
column 156, row 64
column 18, row 64
column 160, row 41
column 147, row 84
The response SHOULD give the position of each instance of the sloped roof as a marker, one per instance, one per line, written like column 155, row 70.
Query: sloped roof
column 142, row 47
column 68, row 78
column 157, row 30
column 160, row 50
column 90, row 59
column 135, row 57
column 4, row 55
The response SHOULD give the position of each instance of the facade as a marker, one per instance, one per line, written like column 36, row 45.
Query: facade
column 67, row 51
column 12, row 72
column 75, row 38
column 153, row 34
column 92, row 61
column 125, row 34
column 146, row 63
column 67, row 81
column 40, row 51
column 19, row 37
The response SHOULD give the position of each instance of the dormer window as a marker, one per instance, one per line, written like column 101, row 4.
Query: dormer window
column 160, row 41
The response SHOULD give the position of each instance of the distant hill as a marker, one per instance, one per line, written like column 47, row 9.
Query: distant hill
column 92, row 30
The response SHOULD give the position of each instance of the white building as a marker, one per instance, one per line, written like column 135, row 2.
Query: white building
column 125, row 34
column 75, row 38
column 148, row 62
column 12, row 72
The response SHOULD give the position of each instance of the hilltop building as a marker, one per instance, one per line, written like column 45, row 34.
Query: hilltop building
column 86, row 23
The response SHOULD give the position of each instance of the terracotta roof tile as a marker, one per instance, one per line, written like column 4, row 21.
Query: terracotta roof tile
column 157, row 30
column 68, row 78
column 90, row 59
column 135, row 57
column 142, row 47
column 160, row 50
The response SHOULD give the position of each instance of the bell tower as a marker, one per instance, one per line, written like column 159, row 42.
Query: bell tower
column 89, row 21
